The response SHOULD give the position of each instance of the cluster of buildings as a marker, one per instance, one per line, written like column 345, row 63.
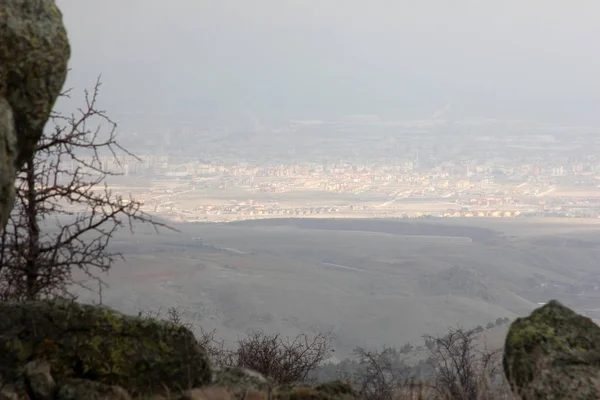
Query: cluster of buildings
column 376, row 168
column 484, row 191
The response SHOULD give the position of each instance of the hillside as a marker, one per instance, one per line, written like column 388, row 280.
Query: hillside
column 387, row 284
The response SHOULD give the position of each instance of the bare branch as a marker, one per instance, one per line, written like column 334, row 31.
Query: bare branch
column 381, row 373
column 463, row 370
column 64, row 186
column 283, row 359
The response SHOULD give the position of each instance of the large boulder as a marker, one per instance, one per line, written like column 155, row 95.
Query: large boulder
column 39, row 383
column 96, row 343
column 553, row 354
column 80, row 389
column 241, row 382
column 34, row 52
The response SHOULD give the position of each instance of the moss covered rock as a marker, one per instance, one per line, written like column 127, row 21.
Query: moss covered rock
column 100, row 344
column 34, row 53
column 553, row 354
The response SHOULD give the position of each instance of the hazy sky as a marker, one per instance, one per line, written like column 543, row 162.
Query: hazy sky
column 534, row 59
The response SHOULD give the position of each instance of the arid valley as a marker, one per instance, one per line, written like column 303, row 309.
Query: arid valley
column 372, row 282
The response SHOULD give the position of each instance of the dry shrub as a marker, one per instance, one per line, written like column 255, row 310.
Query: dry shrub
column 380, row 376
column 285, row 360
column 463, row 370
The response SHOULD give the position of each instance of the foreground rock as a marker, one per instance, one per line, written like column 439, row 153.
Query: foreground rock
column 95, row 343
column 242, row 382
column 37, row 383
column 553, row 354
column 80, row 389
column 34, row 52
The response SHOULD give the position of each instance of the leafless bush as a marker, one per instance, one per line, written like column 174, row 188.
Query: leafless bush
column 63, row 184
column 284, row 360
column 380, row 374
column 462, row 370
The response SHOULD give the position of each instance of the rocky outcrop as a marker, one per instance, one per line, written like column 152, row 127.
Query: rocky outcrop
column 100, row 344
column 34, row 52
column 553, row 354
column 37, row 383
column 79, row 389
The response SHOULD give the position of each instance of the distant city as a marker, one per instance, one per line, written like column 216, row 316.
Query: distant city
column 363, row 167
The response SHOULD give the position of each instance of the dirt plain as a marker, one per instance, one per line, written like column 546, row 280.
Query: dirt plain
column 371, row 281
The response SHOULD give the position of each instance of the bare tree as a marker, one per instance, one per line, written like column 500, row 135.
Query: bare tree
column 62, row 188
column 463, row 368
column 380, row 373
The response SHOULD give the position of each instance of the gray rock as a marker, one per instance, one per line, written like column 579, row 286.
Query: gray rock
column 34, row 53
column 8, row 149
column 8, row 393
column 81, row 389
column 38, row 381
column 553, row 354
column 240, row 380
column 238, row 374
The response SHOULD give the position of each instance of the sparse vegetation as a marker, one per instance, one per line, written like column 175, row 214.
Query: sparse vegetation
column 62, row 185
column 65, row 217
column 461, row 369
column 456, row 366
column 380, row 373
column 283, row 359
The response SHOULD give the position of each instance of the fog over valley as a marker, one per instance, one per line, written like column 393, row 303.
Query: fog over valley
column 385, row 170
column 301, row 199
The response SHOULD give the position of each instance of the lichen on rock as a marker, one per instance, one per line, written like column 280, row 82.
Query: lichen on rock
column 34, row 54
column 553, row 354
column 100, row 344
